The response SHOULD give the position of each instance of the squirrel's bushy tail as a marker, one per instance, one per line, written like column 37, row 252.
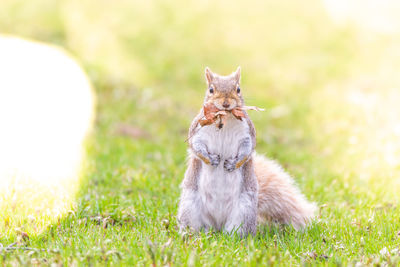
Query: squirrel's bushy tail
column 279, row 200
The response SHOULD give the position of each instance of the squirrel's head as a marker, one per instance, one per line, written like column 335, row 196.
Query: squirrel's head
column 224, row 91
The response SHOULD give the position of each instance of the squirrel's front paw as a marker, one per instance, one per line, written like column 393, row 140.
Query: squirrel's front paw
column 214, row 159
column 230, row 164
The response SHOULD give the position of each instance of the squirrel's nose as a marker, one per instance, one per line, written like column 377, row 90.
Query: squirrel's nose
column 226, row 105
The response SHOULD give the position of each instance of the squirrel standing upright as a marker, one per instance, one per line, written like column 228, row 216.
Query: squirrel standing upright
column 226, row 186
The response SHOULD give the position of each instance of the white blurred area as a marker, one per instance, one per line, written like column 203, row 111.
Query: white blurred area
column 380, row 16
column 369, row 96
column 46, row 110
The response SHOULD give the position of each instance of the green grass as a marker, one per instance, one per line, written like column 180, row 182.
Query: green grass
column 146, row 62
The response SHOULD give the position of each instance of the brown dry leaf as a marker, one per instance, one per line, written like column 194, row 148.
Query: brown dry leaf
column 221, row 113
column 213, row 114
column 210, row 110
column 131, row 131
column 206, row 122
column 238, row 113
column 210, row 114
column 223, row 119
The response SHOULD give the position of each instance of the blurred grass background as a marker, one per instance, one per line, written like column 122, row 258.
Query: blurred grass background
column 330, row 93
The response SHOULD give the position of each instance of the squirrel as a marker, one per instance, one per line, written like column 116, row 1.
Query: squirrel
column 227, row 186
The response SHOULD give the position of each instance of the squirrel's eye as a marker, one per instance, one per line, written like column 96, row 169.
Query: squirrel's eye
column 238, row 90
column 211, row 90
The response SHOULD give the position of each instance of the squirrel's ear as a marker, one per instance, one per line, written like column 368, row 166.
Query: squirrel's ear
column 209, row 75
column 236, row 74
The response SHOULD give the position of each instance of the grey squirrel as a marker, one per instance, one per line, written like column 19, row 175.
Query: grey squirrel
column 227, row 186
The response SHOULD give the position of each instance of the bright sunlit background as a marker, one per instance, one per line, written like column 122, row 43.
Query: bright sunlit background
column 326, row 71
column 46, row 111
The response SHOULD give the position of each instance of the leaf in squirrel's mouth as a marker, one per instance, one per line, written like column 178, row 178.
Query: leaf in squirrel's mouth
column 212, row 114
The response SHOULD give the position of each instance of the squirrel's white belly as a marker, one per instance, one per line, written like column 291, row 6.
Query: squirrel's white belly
column 219, row 189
